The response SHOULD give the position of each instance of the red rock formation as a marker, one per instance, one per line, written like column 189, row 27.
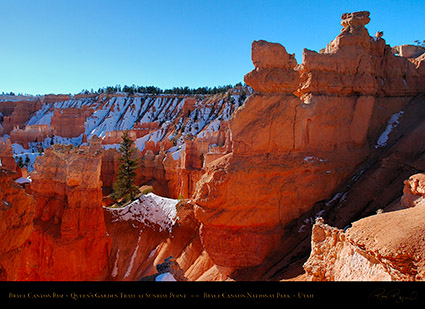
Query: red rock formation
column 6, row 155
column 16, row 224
column 290, row 153
column 53, row 98
column 274, row 69
column 414, row 191
column 20, row 115
column 114, row 137
column 69, row 122
column 383, row 247
column 139, row 247
column 31, row 133
column 69, row 240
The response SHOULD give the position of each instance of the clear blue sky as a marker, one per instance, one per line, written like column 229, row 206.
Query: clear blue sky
column 64, row 46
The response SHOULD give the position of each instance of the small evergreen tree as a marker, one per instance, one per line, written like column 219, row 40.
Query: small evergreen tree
column 124, row 189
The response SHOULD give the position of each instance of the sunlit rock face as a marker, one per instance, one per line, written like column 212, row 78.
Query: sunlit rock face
column 298, row 137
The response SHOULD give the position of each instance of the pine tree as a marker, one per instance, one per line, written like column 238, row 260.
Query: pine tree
column 124, row 188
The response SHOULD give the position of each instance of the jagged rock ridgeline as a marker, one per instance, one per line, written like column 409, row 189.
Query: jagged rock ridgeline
column 170, row 132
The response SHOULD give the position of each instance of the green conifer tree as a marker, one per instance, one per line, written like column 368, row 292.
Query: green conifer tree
column 124, row 189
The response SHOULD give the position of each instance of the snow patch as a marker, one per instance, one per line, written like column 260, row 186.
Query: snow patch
column 42, row 116
column 212, row 127
column 391, row 124
column 165, row 277
column 176, row 151
column 133, row 257
column 177, row 154
column 151, row 210
column 311, row 159
column 114, row 272
column 22, row 180
column 111, row 146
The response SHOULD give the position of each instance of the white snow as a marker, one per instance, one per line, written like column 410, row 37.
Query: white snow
column 391, row 124
column 114, row 272
column 165, row 277
column 22, row 180
column 151, row 210
column 76, row 141
column 177, row 154
column 42, row 113
column 153, row 252
column 212, row 127
column 46, row 118
column 32, row 154
column 111, row 146
column 131, row 113
column 140, row 142
column 176, row 151
column 133, row 256
column 336, row 196
column 155, row 137
column 311, row 159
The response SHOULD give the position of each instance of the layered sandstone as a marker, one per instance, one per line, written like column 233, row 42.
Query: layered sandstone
column 383, row 247
column 31, row 133
column 6, row 155
column 20, row 114
column 69, row 240
column 16, row 224
column 290, row 151
column 69, row 122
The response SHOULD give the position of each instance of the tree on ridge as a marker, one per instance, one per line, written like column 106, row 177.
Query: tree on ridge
column 124, row 189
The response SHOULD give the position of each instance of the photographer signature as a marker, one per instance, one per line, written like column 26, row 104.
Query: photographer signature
column 392, row 295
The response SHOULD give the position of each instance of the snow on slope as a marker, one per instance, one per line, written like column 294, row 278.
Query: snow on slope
column 391, row 124
column 150, row 209
column 121, row 112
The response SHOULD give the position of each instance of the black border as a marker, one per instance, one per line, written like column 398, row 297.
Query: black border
column 174, row 293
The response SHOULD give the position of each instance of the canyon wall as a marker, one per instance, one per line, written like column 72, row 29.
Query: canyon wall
column 17, row 209
column 298, row 138
column 69, row 240
column 161, row 126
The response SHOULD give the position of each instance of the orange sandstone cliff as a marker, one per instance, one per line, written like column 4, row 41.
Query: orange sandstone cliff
column 296, row 139
column 69, row 240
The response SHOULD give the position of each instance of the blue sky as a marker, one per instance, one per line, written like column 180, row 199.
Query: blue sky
column 64, row 46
